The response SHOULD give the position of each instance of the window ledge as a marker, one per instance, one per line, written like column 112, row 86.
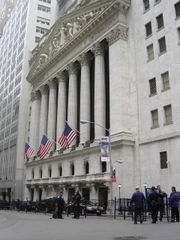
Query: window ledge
column 156, row 3
column 150, row 35
column 147, row 10
column 164, row 90
column 149, row 60
column 153, row 94
column 159, row 29
column 153, row 127
column 161, row 53
column 166, row 124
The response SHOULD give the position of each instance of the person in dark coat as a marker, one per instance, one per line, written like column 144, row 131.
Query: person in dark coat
column 153, row 204
column 161, row 197
column 76, row 204
column 60, row 205
column 138, row 200
column 174, row 202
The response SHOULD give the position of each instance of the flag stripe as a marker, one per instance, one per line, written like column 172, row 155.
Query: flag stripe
column 67, row 137
column 28, row 152
column 44, row 148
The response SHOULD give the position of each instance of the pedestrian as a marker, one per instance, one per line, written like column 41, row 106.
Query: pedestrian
column 76, row 204
column 153, row 204
column 138, row 200
column 59, row 207
column 161, row 197
column 174, row 201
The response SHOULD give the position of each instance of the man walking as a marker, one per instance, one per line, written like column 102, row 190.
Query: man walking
column 153, row 204
column 76, row 204
column 138, row 200
column 161, row 197
column 61, row 204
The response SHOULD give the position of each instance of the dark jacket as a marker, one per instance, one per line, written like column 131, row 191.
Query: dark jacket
column 174, row 200
column 153, row 199
column 76, row 199
column 138, row 199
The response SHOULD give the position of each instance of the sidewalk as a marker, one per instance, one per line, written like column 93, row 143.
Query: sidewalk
column 30, row 226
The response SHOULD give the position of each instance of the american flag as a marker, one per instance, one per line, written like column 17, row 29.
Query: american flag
column 44, row 148
column 67, row 137
column 28, row 152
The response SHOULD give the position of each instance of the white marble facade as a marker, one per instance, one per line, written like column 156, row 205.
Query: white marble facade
column 86, row 69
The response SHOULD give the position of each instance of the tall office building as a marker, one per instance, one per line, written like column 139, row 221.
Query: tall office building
column 115, row 65
column 23, row 23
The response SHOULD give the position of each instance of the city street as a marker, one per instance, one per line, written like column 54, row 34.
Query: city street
column 30, row 226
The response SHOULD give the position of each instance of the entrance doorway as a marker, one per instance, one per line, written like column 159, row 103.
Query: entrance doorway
column 103, row 196
column 86, row 193
column 32, row 195
column 71, row 193
column 40, row 194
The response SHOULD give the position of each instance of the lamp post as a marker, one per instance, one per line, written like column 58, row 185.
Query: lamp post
column 110, row 160
column 119, row 187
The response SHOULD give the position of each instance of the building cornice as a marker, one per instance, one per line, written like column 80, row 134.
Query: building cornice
column 56, row 46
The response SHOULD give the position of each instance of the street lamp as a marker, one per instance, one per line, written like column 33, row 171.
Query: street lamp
column 110, row 160
column 119, row 186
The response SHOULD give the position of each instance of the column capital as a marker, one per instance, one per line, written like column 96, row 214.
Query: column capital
column 61, row 76
column 35, row 95
column 52, row 83
column 84, row 59
column 43, row 89
column 72, row 68
column 98, row 49
column 120, row 32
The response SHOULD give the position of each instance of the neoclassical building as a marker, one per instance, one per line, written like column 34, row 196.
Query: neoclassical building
column 89, row 67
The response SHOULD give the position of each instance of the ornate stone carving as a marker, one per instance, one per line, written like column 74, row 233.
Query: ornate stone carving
column 98, row 49
column 119, row 32
column 72, row 68
column 35, row 96
column 61, row 76
column 52, row 84
column 43, row 89
column 84, row 59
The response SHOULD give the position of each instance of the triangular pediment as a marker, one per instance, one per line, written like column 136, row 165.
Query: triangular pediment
column 65, row 29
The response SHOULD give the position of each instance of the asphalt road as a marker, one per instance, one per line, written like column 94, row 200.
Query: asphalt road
column 30, row 226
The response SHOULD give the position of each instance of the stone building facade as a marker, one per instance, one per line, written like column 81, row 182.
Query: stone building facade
column 90, row 68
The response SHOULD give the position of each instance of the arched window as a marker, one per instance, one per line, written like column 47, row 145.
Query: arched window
column 72, row 169
column 86, row 167
column 60, row 170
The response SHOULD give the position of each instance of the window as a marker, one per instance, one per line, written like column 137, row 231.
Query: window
column 162, row 45
column 155, row 120
column 160, row 21
column 168, row 115
column 177, row 9
column 156, row 1
column 163, row 160
column 146, row 4
column 49, row 172
column 178, row 32
column 43, row 8
column 32, row 174
column 72, row 169
column 152, row 86
column 150, row 52
column 43, row 21
column 148, row 29
column 104, row 166
column 60, row 171
column 46, row 1
column 41, row 30
column 86, row 168
column 40, row 173
column 165, row 81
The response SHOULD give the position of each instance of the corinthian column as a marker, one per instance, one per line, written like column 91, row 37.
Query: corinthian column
column 99, row 101
column 72, row 96
column 85, row 97
column 43, row 112
column 34, row 127
column 51, row 132
column 61, row 112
